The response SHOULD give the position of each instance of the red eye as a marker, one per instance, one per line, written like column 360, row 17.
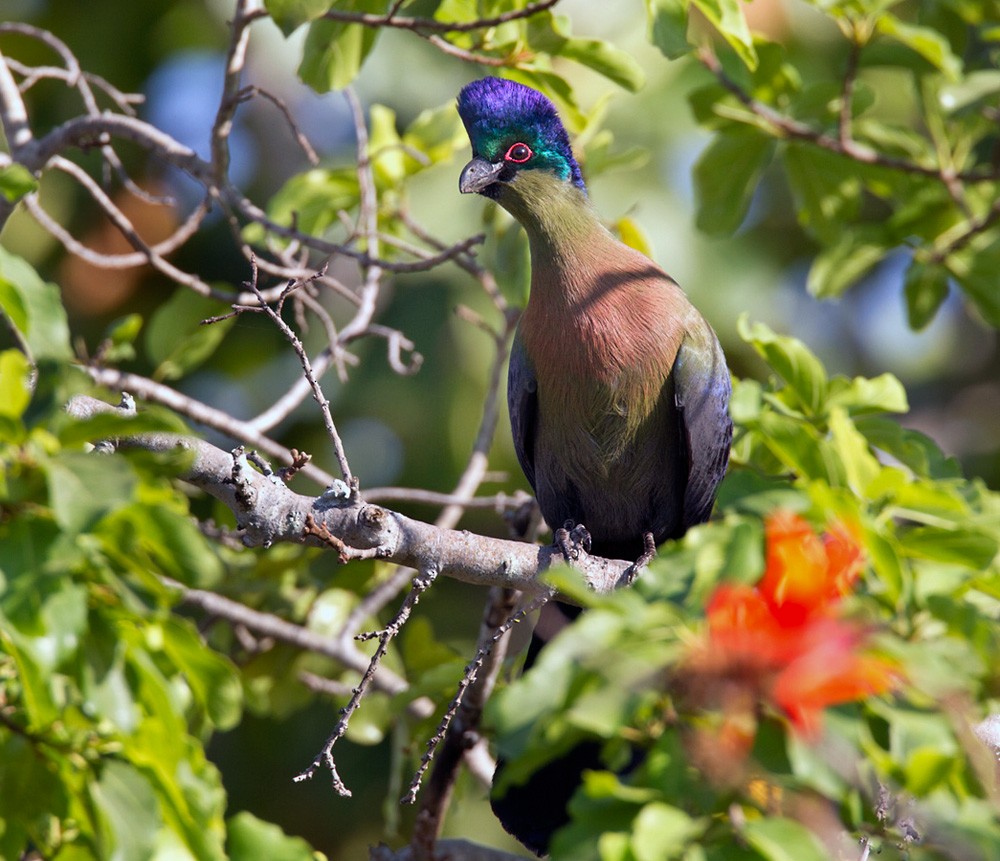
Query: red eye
column 519, row 153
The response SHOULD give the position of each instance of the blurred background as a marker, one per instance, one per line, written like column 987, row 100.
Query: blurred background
column 418, row 431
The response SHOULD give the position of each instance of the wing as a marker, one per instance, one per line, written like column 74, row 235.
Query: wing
column 522, row 403
column 701, row 393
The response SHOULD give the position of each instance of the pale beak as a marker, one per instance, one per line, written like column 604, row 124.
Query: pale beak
column 478, row 174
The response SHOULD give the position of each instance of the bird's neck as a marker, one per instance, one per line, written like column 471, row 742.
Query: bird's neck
column 564, row 232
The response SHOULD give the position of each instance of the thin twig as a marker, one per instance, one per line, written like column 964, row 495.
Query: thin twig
column 471, row 673
column 385, row 636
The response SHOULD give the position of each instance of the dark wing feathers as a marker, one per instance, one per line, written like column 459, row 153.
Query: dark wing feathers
column 522, row 403
column 701, row 392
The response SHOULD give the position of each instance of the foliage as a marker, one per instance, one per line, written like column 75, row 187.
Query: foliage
column 110, row 694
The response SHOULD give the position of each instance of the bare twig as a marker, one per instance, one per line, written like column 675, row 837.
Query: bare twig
column 324, row 405
column 204, row 414
column 385, row 636
column 431, row 25
column 458, row 729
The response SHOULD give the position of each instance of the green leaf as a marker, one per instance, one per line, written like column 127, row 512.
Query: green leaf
column 727, row 17
column 662, row 831
column 83, row 487
column 795, row 363
column 668, row 23
column 252, row 839
column 128, row 811
column 925, row 288
column 926, row 769
column 15, row 391
column 385, row 147
column 211, row 677
column 778, row 839
column 860, row 464
column 604, row 58
column 16, row 181
column 726, row 176
column 290, row 14
column 311, row 200
column 177, row 341
column 975, row 269
column 34, row 307
column 961, row 546
column 334, row 52
column 928, row 43
column 826, row 186
column 861, row 395
column 840, row 265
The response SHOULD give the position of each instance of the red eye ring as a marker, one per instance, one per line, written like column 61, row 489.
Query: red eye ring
column 518, row 153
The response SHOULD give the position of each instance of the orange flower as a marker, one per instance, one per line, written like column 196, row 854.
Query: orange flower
column 781, row 636
column 831, row 670
column 805, row 574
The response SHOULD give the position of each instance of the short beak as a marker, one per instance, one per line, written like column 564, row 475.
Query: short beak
column 478, row 174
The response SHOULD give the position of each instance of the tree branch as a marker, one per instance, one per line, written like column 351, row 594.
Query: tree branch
column 268, row 512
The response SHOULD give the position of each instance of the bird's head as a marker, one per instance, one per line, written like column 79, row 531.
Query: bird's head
column 513, row 130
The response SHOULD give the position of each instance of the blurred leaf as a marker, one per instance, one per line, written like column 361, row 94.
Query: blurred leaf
column 252, row 839
column 926, row 288
column 631, row 233
column 176, row 340
column 918, row 451
column 668, row 23
column 860, row 464
column 551, row 34
column 385, row 146
column 15, row 375
column 128, row 808
column 34, row 307
column 827, row 188
column 662, row 831
column 16, row 181
column 726, row 176
column 290, row 14
column 437, row 133
column 311, row 200
column 119, row 338
column 778, row 839
column 727, row 17
column 211, row 677
column 84, row 487
column 975, row 270
column 930, row 44
column 960, row 546
column 842, row 264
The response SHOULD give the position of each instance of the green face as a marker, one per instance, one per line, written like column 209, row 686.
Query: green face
column 523, row 149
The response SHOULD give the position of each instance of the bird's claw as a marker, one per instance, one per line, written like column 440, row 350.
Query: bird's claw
column 571, row 539
column 631, row 574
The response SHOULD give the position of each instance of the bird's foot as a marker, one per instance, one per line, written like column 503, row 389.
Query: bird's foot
column 571, row 539
column 631, row 574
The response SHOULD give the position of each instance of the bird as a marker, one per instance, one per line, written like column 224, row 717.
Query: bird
column 617, row 389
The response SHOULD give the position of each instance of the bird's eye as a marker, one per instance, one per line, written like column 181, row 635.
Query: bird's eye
column 518, row 153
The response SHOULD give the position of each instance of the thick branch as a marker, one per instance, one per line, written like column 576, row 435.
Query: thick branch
column 267, row 512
